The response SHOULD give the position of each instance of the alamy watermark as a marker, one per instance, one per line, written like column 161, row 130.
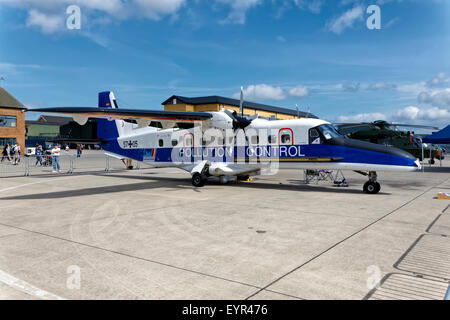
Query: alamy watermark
column 374, row 278
column 74, row 277
column 374, row 20
column 73, row 21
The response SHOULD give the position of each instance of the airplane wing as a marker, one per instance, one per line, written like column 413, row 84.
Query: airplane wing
column 82, row 114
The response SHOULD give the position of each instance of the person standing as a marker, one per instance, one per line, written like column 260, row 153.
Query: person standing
column 16, row 154
column 11, row 153
column 5, row 153
column 38, row 155
column 56, row 152
column 78, row 150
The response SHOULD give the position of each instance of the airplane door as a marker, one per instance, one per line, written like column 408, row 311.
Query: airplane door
column 188, row 146
column 286, row 137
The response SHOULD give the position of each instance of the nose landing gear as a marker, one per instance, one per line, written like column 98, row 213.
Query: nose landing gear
column 371, row 186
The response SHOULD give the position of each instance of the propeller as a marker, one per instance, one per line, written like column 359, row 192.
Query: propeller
column 241, row 103
column 239, row 121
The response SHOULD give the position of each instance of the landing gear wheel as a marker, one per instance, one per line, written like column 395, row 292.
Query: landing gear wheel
column 372, row 187
column 431, row 161
column 198, row 180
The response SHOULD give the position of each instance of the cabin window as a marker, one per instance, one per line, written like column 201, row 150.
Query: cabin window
column 329, row 132
column 174, row 142
column 161, row 143
column 314, row 136
column 272, row 139
column 286, row 138
column 188, row 142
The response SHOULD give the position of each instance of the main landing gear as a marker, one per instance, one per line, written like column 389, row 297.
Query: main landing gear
column 371, row 186
column 200, row 174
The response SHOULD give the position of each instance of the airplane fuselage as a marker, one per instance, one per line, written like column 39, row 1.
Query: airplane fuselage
column 292, row 144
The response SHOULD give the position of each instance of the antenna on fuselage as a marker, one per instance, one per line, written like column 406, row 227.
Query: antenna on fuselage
column 241, row 103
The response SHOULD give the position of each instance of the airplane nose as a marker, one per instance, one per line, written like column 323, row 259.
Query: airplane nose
column 368, row 146
column 371, row 153
column 417, row 163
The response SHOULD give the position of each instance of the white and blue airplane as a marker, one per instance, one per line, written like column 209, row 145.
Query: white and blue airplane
column 227, row 145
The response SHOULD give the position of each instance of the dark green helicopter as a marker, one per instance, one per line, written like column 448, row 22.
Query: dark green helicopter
column 382, row 132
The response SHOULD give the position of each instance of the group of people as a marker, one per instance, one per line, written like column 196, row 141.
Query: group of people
column 12, row 153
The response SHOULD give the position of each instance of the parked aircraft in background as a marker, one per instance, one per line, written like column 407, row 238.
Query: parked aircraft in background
column 382, row 132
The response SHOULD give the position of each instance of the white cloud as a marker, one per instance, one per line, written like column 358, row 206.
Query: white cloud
column 239, row 10
column 268, row 92
column 362, row 117
column 413, row 113
column 382, row 86
column 410, row 115
column 346, row 20
column 299, row 91
column 439, row 80
column 49, row 15
column 47, row 23
column 315, row 6
column 412, row 88
column 437, row 98
column 349, row 87
column 262, row 92
column 156, row 9
column 11, row 68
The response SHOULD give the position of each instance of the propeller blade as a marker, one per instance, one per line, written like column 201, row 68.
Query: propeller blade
column 241, row 103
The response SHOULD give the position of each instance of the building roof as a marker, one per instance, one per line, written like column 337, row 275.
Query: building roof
column 234, row 102
column 8, row 101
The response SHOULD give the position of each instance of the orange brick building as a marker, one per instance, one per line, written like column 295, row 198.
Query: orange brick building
column 12, row 120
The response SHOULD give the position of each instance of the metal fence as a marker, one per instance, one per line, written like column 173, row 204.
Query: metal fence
column 39, row 165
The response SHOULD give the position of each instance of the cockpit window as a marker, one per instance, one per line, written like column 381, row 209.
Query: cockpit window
column 328, row 131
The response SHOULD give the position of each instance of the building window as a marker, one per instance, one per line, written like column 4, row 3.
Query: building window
column 4, row 141
column 8, row 121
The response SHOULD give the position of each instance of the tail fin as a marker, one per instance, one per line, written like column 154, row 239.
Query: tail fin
column 110, row 129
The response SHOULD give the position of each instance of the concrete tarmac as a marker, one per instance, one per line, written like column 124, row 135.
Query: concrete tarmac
column 148, row 234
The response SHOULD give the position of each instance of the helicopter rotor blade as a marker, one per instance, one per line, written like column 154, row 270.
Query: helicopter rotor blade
column 414, row 126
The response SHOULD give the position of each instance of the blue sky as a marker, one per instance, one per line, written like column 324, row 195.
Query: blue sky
column 318, row 54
